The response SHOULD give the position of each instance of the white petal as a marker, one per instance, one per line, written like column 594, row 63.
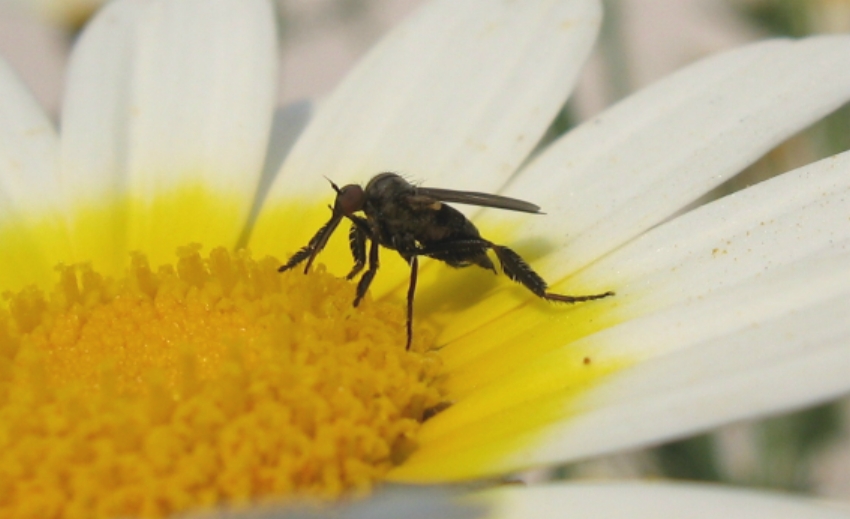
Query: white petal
column 799, row 215
column 29, row 151
column 461, row 92
column 205, row 74
column 96, row 111
column 477, row 85
column 171, row 94
column 774, row 344
column 646, row 158
column 33, row 235
column 652, row 501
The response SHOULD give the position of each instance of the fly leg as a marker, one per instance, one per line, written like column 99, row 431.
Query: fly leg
column 518, row 270
column 357, row 243
column 366, row 280
column 414, row 272
column 315, row 246
column 512, row 265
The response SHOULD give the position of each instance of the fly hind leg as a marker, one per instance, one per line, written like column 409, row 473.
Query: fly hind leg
column 512, row 265
column 518, row 270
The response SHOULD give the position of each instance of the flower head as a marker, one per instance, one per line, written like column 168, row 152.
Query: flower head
column 166, row 358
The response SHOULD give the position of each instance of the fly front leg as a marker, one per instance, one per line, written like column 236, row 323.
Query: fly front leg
column 366, row 280
column 315, row 245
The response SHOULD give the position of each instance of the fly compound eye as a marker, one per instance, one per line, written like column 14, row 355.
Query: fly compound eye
column 349, row 199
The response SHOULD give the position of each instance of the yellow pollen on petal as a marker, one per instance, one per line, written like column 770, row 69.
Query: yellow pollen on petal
column 213, row 381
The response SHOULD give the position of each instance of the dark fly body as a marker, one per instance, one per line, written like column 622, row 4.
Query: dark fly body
column 415, row 221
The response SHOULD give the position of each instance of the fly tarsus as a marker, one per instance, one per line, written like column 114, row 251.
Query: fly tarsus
column 296, row 258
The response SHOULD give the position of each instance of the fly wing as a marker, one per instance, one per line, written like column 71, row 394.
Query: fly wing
column 480, row 199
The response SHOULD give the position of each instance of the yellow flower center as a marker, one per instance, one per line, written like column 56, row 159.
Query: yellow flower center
column 216, row 380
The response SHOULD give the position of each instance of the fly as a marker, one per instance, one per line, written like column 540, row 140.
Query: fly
column 415, row 221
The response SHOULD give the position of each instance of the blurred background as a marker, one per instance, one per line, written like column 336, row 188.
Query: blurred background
column 641, row 41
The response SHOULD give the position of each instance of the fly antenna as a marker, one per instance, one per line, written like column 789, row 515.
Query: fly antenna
column 336, row 187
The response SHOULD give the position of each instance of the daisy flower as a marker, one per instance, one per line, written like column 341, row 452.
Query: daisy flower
column 154, row 361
